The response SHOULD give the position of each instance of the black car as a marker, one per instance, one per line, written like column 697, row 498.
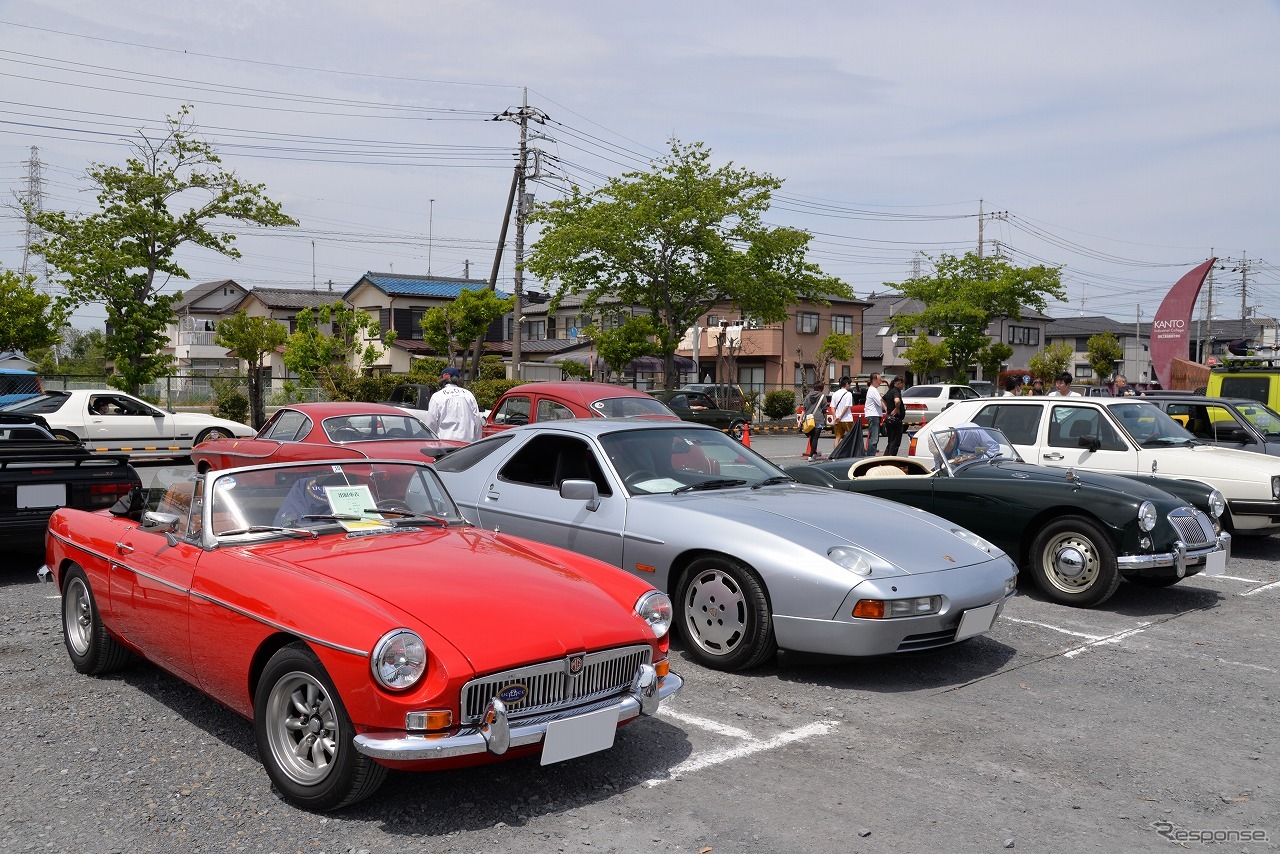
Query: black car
column 1240, row 423
column 698, row 406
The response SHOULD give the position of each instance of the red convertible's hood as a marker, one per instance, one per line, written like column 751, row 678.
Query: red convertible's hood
column 499, row 604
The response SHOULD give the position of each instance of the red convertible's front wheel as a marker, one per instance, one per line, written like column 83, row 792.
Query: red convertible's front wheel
column 304, row 735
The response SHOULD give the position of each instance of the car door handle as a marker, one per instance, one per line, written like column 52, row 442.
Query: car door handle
column 124, row 549
column 1053, row 456
column 491, row 496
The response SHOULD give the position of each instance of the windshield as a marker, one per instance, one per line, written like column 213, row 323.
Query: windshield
column 656, row 461
column 375, row 427
column 958, row 447
column 1150, row 426
column 311, row 499
column 1264, row 418
column 630, row 407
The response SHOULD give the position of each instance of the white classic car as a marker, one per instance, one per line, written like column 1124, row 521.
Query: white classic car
column 1124, row 435
column 109, row 420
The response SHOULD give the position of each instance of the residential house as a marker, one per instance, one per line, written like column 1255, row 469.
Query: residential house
column 1134, row 340
column 282, row 305
column 195, row 319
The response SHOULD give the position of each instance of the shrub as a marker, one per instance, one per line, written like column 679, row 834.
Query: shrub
column 487, row 392
column 779, row 404
column 232, row 402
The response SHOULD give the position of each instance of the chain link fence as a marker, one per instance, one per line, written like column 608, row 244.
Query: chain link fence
column 189, row 394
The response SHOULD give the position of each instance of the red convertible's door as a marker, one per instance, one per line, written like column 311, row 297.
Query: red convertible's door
column 150, row 589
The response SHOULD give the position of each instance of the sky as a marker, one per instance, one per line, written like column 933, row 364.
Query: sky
column 1125, row 141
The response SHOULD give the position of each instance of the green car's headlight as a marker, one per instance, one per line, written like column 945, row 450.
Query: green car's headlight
column 1147, row 516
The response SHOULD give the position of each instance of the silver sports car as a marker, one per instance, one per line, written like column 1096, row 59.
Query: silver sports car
column 752, row 559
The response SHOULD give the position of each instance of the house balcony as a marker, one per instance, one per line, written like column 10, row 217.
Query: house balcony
column 762, row 342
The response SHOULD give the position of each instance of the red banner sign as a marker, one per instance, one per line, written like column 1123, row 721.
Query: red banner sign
column 1171, row 329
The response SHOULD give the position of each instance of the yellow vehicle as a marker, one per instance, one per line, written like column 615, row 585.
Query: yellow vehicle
column 1253, row 377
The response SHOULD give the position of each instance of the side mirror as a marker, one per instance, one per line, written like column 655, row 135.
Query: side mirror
column 1093, row 443
column 581, row 490
column 164, row 523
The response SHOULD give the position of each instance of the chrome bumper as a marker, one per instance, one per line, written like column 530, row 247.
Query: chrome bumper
column 1180, row 558
column 497, row 734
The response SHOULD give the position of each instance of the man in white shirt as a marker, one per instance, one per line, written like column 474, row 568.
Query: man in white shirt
column 873, row 411
column 842, row 406
column 453, row 412
column 1062, row 386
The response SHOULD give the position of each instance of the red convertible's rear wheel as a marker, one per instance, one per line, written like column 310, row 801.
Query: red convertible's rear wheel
column 304, row 735
column 723, row 615
column 1074, row 563
column 91, row 649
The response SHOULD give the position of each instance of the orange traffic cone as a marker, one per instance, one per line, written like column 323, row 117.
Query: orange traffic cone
column 746, row 434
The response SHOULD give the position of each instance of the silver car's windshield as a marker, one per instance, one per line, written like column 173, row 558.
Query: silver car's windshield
column 957, row 447
column 1150, row 426
column 658, row 461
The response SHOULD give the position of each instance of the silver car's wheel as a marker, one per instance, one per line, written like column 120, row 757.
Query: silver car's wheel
column 1074, row 562
column 88, row 645
column 304, row 735
column 724, row 617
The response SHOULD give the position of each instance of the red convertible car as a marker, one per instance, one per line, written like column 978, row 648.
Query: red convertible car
column 533, row 402
column 361, row 623
column 327, row 431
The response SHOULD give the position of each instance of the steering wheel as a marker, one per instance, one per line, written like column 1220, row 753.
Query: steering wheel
column 394, row 505
column 637, row 477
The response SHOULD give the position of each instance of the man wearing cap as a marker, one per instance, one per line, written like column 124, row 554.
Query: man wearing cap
column 453, row 412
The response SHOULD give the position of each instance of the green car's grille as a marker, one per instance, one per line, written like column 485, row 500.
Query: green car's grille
column 1193, row 526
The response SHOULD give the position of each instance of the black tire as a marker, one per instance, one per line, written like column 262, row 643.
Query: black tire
column 91, row 649
column 1074, row 563
column 735, row 429
column 211, row 433
column 304, row 735
column 1147, row 581
column 723, row 616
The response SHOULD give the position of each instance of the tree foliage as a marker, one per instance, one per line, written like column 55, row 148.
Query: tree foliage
column 835, row 348
column 81, row 352
column 317, row 357
column 450, row 329
column 992, row 356
column 924, row 357
column 1051, row 361
column 172, row 191
column 29, row 320
column 963, row 295
column 253, row 339
column 677, row 240
column 1104, row 351
column 637, row 337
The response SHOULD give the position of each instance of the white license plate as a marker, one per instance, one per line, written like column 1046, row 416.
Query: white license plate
column 42, row 495
column 573, row 737
column 1215, row 563
column 975, row 621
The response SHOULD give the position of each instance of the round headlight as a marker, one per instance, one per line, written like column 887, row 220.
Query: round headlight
column 1217, row 503
column 854, row 560
column 655, row 609
column 1146, row 516
column 399, row 660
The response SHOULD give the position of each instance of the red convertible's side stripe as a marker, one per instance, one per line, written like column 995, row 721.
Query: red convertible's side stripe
column 232, row 608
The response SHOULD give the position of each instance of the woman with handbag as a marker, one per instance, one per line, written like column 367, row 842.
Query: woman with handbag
column 893, row 420
column 813, row 418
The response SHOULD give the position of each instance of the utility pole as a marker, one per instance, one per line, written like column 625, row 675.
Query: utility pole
column 522, row 117
column 982, row 218
column 431, row 220
column 1244, row 290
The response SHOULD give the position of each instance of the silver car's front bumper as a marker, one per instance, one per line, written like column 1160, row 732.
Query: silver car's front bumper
column 1180, row 558
column 497, row 734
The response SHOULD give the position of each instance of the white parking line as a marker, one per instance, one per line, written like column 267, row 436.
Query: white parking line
column 1116, row 638
column 1270, row 586
column 750, row 744
column 1004, row 618
column 1234, row 578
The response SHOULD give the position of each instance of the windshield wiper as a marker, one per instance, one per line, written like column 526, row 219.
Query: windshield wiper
column 335, row 517
column 770, row 481
column 718, row 483
column 1167, row 440
column 268, row 529
column 410, row 516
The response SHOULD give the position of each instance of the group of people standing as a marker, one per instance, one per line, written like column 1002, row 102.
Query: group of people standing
column 880, row 408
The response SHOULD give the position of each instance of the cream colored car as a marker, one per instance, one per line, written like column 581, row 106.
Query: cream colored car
column 1125, row 435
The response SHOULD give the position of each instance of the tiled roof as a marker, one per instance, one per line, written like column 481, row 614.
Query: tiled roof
column 195, row 294
column 1075, row 327
column 445, row 287
column 295, row 297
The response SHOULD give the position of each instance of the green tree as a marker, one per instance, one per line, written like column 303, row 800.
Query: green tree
column 80, row 353
column 991, row 357
column 924, row 357
column 637, row 337
column 963, row 295
column 173, row 191
column 323, row 358
column 252, row 339
column 836, row 347
column 29, row 320
column 677, row 240
column 1104, row 351
column 1051, row 361
column 451, row 328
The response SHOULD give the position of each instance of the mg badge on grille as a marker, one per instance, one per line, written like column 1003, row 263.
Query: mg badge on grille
column 513, row 694
column 574, row 665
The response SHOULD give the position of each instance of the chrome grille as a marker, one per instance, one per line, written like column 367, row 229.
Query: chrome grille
column 550, row 685
column 1193, row 526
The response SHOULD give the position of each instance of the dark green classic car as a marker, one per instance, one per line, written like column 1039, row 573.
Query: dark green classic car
column 699, row 406
column 1077, row 532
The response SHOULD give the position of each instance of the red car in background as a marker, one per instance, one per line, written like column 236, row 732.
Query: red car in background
column 327, row 431
column 533, row 402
